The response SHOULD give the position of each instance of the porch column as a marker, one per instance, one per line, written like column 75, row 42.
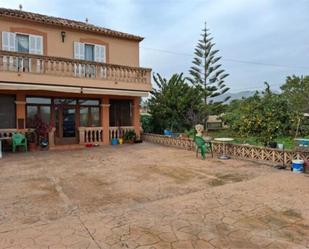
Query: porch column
column 136, row 116
column 105, row 118
column 20, row 111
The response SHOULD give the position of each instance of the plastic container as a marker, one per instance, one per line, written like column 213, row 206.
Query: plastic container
column 168, row 132
column 114, row 141
column 298, row 166
column 280, row 146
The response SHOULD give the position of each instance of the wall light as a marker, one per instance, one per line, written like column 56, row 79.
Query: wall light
column 63, row 35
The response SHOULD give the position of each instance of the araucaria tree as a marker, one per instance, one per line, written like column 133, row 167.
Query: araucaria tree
column 207, row 74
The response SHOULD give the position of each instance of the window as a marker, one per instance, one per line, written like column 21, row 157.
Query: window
column 120, row 113
column 89, row 52
column 89, row 113
column 32, row 44
column 65, row 101
column 88, row 102
column 36, row 100
column 38, row 108
column 7, row 112
column 22, row 43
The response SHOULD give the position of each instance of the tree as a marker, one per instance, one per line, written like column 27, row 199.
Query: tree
column 174, row 104
column 265, row 115
column 296, row 90
column 207, row 74
column 146, row 121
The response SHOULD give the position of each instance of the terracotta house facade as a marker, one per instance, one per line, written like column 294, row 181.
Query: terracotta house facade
column 84, row 81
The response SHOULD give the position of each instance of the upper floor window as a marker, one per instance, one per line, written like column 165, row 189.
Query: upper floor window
column 22, row 43
column 89, row 52
column 25, row 43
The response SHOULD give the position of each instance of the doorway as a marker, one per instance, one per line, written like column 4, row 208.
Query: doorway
column 65, row 122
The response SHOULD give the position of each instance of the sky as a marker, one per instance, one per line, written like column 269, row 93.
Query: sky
column 259, row 40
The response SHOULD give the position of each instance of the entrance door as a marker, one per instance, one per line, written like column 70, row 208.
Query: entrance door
column 66, row 132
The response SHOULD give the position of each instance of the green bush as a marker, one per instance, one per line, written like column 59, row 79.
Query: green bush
column 147, row 124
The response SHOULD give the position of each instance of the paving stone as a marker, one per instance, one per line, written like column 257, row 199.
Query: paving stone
column 147, row 196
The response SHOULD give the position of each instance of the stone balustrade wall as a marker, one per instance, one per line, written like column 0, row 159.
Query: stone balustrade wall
column 240, row 151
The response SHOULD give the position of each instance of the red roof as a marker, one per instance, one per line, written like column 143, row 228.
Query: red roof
column 67, row 23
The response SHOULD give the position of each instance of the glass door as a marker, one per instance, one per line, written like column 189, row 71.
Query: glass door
column 65, row 121
column 69, row 122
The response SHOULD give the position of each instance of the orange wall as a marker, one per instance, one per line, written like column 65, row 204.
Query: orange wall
column 119, row 51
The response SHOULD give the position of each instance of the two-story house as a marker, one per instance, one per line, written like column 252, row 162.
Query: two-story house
column 83, row 80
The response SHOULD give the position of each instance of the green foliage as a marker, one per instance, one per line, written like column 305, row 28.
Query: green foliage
column 207, row 75
column 265, row 116
column 296, row 90
column 190, row 133
column 129, row 135
column 174, row 104
column 147, row 125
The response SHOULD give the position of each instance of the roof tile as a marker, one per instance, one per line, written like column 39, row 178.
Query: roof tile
column 57, row 21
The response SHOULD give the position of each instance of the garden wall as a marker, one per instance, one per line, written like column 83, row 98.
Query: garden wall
column 234, row 150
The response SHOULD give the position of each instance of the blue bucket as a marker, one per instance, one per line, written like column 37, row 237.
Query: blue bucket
column 114, row 141
column 298, row 166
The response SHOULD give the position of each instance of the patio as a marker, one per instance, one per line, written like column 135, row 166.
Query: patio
column 148, row 196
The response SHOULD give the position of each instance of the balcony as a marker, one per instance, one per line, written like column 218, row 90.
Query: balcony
column 62, row 72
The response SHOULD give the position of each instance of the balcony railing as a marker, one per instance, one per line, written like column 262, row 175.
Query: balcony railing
column 57, row 66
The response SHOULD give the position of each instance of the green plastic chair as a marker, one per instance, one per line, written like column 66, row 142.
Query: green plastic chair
column 19, row 139
column 202, row 146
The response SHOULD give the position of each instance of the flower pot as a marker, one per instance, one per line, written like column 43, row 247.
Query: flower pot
column 120, row 140
column 32, row 147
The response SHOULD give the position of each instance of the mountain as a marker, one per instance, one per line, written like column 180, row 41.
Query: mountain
column 238, row 95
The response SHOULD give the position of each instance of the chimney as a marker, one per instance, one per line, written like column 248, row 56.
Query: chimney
column 20, row 7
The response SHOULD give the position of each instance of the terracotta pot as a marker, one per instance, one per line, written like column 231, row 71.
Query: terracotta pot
column 32, row 147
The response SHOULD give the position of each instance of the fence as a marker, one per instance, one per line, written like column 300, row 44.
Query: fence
column 234, row 150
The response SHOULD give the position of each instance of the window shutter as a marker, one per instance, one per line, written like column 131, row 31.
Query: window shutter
column 99, row 53
column 35, row 44
column 79, row 50
column 79, row 54
column 8, row 41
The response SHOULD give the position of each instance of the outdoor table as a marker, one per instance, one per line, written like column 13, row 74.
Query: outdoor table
column 2, row 138
column 224, row 141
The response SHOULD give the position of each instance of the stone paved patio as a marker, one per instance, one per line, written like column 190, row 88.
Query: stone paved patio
column 148, row 196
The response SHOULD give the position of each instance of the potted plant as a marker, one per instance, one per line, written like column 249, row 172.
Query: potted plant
column 41, row 130
column 31, row 138
column 130, row 136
